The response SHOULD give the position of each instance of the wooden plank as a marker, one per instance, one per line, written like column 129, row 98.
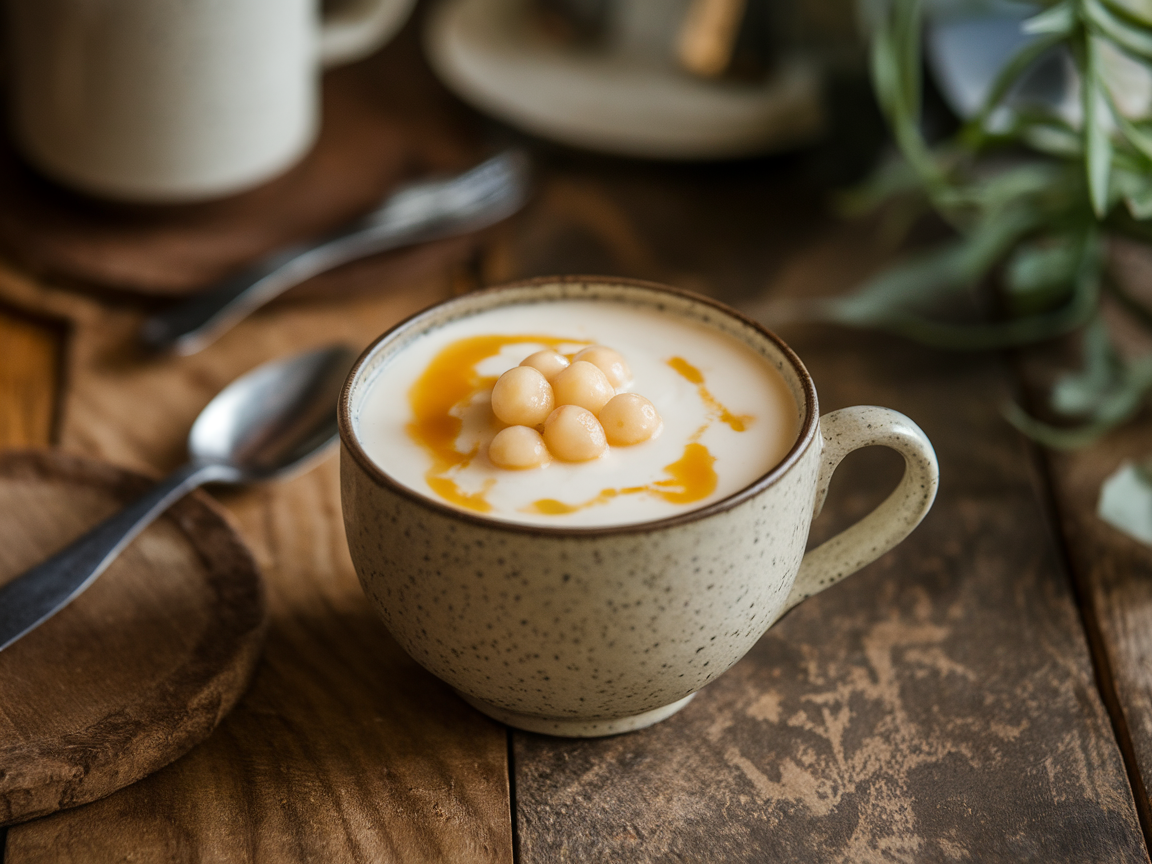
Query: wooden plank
column 1114, row 576
column 938, row 706
column 29, row 372
column 1113, row 571
column 343, row 749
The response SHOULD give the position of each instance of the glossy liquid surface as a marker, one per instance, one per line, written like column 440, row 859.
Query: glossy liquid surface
column 728, row 416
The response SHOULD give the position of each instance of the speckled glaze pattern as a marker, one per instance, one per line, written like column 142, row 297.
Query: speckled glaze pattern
column 595, row 631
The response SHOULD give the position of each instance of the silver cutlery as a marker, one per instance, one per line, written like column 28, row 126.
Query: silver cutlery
column 428, row 210
column 266, row 424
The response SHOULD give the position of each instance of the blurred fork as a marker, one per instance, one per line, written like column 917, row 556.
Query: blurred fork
column 423, row 211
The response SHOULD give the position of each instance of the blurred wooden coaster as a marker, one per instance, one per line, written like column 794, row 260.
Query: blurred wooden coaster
column 383, row 123
column 139, row 668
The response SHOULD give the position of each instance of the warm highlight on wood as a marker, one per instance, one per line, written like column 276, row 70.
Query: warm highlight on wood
column 343, row 749
column 29, row 352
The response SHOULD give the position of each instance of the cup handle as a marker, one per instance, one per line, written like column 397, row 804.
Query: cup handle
column 844, row 431
column 356, row 28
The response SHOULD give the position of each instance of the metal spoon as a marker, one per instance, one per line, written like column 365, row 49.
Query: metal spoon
column 266, row 424
column 429, row 210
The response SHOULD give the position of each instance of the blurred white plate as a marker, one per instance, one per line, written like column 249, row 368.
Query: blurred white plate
column 968, row 44
column 630, row 103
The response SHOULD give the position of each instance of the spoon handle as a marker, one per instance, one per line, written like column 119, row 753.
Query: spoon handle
column 189, row 326
column 426, row 211
column 37, row 594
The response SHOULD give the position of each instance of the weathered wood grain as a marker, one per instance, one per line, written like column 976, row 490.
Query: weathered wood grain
column 938, row 706
column 1113, row 571
column 343, row 749
column 144, row 664
column 29, row 373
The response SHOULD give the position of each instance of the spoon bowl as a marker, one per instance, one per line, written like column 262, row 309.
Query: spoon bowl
column 276, row 420
column 273, row 420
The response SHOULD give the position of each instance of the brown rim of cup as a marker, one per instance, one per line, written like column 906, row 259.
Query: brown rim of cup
column 807, row 432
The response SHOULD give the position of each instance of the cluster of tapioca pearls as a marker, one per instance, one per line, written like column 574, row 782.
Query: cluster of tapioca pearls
column 567, row 410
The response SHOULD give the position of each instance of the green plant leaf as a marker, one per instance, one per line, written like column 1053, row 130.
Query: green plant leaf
column 907, row 28
column 1134, row 37
column 1059, row 20
column 1081, row 393
column 884, row 69
column 1106, row 390
column 892, row 179
column 975, row 129
column 1134, row 187
column 1013, row 186
column 1043, row 216
column 1021, row 184
column 1126, row 501
column 998, row 335
column 1127, row 78
column 1059, row 438
column 889, row 301
column 1051, row 137
column 1124, row 159
column 1138, row 135
column 1114, row 409
column 1141, row 10
column 1132, row 171
column 1097, row 143
column 896, row 70
column 952, row 265
column 1040, row 274
column 1140, row 206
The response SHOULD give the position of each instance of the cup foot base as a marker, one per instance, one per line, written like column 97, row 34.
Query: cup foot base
column 572, row 727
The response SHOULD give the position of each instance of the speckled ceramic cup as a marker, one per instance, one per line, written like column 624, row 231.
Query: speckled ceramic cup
column 595, row 631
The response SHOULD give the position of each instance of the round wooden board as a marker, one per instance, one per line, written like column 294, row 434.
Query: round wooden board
column 144, row 664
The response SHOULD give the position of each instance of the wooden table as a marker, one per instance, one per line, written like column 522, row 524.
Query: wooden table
column 982, row 693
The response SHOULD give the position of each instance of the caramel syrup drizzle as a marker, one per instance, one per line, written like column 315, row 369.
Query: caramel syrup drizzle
column 451, row 380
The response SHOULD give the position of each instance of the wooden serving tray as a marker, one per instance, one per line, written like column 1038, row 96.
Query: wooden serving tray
column 144, row 664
